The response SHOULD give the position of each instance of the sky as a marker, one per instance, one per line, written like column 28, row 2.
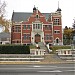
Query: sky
column 44, row 6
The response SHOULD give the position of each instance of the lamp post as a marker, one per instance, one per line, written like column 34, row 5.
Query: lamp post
column 72, row 47
column 73, row 33
column 73, row 41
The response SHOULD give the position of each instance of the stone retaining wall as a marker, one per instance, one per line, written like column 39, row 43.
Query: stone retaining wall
column 20, row 57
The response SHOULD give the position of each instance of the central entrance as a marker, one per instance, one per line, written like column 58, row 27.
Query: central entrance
column 37, row 38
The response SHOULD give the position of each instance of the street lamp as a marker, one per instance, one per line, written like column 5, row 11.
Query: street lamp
column 73, row 41
column 73, row 44
column 73, row 33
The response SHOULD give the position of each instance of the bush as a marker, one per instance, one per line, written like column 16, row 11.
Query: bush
column 54, row 48
column 14, row 49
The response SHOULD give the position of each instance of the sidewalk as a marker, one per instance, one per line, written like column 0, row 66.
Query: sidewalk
column 24, row 62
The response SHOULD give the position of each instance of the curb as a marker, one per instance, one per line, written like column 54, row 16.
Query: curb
column 24, row 62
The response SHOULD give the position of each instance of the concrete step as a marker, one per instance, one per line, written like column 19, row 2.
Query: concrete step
column 52, row 58
column 42, row 46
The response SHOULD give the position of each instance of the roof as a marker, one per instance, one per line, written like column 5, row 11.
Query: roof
column 23, row 16
column 4, row 35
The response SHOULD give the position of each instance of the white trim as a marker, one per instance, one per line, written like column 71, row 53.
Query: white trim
column 55, row 43
column 57, row 25
column 26, row 24
column 21, row 34
column 62, row 30
column 56, row 15
column 51, row 16
column 52, row 33
column 33, row 35
column 42, row 26
column 47, row 24
column 56, row 31
column 26, row 33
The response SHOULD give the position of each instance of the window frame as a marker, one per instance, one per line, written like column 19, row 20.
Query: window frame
column 56, row 21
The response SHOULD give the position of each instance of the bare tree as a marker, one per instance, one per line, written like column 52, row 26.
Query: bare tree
column 3, row 22
column 2, row 8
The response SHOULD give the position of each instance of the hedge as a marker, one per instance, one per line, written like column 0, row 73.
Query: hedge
column 54, row 48
column 14, row 49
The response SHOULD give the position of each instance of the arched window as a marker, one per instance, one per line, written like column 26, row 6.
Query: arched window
column 37, row 16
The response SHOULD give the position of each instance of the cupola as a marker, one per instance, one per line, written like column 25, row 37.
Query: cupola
column 34, row 9
column 58, row 10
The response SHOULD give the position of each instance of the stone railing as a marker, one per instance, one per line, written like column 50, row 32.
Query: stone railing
column 20, row 57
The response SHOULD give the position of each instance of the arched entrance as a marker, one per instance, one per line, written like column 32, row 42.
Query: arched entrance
column 57, row 40
column 37, row 38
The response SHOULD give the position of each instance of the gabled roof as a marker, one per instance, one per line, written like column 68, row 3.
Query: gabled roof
column 4, row 35
column 23, row 16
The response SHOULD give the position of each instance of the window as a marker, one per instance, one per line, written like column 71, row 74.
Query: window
column 37, row 26
column 47, row 37
column 26, row 36
column 37, row 16
column 24, row 26
column 17, row 29
column 56, row 21
column 28, row 26
column 57, row 31
column 33, row 26
column 47, row 27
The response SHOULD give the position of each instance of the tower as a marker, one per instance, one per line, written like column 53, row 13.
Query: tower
column 57, row 27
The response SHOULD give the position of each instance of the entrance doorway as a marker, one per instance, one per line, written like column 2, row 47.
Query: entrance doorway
column 57, row 40
column 37, row 38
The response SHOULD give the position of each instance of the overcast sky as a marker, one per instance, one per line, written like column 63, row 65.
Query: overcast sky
column 44, row 6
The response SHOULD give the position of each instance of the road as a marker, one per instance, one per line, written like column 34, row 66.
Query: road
column 49, row 69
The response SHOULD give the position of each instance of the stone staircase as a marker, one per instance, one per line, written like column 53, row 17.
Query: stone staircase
column 42, row 46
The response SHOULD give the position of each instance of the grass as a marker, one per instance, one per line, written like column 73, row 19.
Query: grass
column 54, row 48
column 32, row 47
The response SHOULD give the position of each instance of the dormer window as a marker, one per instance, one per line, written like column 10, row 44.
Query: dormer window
column 37, row 16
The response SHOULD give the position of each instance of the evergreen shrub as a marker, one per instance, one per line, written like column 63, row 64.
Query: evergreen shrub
column 14, row 49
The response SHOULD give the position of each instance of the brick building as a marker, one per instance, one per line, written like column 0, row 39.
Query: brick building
column 29, row 28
